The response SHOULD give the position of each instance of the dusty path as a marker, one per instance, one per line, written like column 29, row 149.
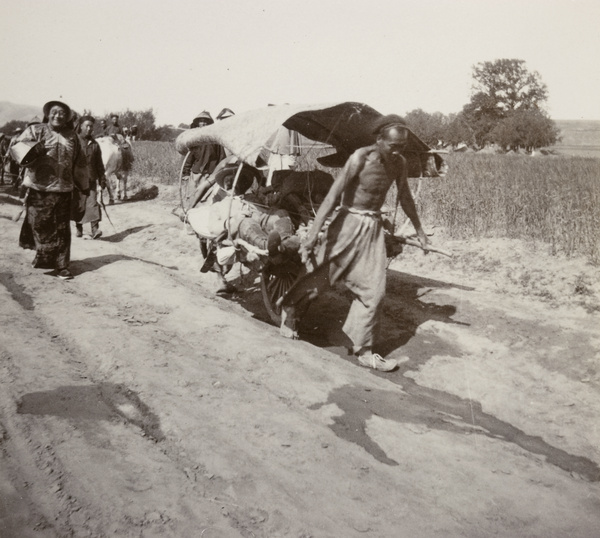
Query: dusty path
column 133, row 402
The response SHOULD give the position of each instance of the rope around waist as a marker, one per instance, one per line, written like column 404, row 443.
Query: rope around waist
column 361, row 212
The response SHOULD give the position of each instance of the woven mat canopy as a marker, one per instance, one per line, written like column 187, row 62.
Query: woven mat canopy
column 346, row 126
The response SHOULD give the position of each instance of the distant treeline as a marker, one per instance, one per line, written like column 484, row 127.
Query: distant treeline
column 144, row 119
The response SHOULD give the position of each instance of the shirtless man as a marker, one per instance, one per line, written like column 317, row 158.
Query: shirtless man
column 353, row 249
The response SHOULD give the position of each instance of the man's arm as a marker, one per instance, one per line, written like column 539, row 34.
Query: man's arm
column 408, row 205
column 208, row 157
column 350, row 171
column 187, row 166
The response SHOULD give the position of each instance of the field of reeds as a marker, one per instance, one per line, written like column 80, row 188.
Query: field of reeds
column 554, row 200
column 157, row 162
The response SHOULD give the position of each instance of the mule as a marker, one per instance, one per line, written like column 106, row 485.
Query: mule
column 117, row 157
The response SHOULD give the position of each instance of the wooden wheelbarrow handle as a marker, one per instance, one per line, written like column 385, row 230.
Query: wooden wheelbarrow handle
column 416, row 243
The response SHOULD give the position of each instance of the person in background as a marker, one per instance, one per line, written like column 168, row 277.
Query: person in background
column 97, row 177
column 59, row 168
column 134, row 133
column 4, row 143
column 114, row 129
column 203, row 159
column 100, row 129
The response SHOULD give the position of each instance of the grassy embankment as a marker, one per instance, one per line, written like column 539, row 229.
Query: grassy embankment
column 554, row 200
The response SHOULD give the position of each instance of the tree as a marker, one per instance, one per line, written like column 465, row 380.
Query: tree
column 529, row 129
column 428, row 127
column 504, row 86
column 503, row 91
column 458, row 131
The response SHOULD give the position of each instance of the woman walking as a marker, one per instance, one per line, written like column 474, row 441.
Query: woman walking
column 50, row 179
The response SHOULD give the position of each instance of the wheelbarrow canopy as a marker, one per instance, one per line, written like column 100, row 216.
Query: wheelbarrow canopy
column 345, row 126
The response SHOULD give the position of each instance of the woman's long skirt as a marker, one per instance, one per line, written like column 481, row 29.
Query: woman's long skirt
column 47, row 229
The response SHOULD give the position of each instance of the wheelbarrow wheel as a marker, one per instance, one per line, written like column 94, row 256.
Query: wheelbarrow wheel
column 275, row 282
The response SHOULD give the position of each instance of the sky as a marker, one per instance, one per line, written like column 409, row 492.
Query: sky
column 180, row 57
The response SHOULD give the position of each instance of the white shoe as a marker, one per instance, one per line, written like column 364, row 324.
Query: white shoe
column 285, row 330
column 377, row 362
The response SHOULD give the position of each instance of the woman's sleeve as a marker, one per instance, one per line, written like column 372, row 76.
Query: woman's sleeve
column 98, row 164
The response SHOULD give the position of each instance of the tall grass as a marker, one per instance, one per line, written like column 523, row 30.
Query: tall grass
column 555, row 200
column 156, row 161
column 551, row 199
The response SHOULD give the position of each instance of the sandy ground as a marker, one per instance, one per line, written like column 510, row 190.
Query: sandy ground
column 135, row 402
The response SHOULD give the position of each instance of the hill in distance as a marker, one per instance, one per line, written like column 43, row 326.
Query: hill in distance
column 579, row 132
column 12, row 111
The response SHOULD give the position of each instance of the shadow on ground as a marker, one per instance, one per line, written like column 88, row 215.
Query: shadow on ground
column 146, row 193
column 436, row 410
column 405, row 308
column 87, row 265
column 17, row 291
column 119, row 236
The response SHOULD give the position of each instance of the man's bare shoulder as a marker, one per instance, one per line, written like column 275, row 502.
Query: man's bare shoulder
column 363, row 153
column 360, row 156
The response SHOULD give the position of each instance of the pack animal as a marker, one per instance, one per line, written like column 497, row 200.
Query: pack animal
column 117, row 157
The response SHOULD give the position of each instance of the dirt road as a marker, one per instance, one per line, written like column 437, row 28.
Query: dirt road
column 134, row 402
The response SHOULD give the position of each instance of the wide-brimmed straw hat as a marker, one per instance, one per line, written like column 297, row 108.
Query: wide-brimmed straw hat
column 46, row 108
column 204, row 115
